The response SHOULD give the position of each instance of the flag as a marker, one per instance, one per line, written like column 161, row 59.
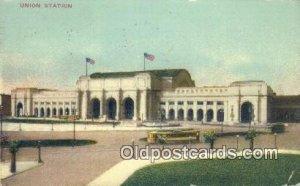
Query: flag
column 90, row 61
column 149, row 56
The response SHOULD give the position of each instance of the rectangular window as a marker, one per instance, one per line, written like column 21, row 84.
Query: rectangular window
column 171, row 102
column 180, row 103
column 220, row 103
column 162, row 103
column 199, row 102
column 190, row 103
column 210, row 103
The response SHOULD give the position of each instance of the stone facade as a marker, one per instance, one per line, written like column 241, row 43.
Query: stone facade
column 149, row 95
column 5, row 103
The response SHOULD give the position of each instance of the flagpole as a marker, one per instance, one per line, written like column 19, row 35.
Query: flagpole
column 86, row 72
column 144, row 63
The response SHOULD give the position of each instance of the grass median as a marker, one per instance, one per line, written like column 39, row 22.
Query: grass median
column 220, row 172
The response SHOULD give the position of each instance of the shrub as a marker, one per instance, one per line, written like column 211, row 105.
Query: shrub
column 210, row 137
column 278, row 128
column 161, row 140
column 251, row 136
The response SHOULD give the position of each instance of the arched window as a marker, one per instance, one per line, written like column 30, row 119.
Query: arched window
column 209, row 115
column 95, row 103
column 128, row 108
column 200, row 115
column 111, row 108
column 246, row 112
column 171, row 114
column 180, row 114
column 220, row 115
column 190, row 114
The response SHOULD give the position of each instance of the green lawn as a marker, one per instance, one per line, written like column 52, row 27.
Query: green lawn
column 220, row 172
column 52, row 143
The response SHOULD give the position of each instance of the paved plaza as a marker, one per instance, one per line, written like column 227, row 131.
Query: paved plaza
column 82, row 165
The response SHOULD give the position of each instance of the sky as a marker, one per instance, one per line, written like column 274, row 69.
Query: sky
column 217, row 41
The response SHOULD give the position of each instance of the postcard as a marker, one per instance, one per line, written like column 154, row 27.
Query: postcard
column 140, row 92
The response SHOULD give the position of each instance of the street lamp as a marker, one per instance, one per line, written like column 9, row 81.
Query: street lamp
column 275, row 140
column 74, row 135
column 237, row 142
column 1, row 135
column 1, row 117
column 39, row 152
column 221, row 119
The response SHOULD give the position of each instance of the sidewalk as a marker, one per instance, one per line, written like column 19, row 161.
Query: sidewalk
column 121, row 171
column 21, row 167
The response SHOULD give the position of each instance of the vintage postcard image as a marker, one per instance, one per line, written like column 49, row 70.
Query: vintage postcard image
column 149, row 92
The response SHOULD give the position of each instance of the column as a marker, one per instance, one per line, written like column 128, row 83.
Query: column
column 256, row 112
column 135, row 114
column 204, row 111
column 167, row 110
column 13, row 107
column 83, row 105
column 195, row 110
column 215, row 112
column 144, row 105
column 175, row 111
column 226, row 111
column 185, row 107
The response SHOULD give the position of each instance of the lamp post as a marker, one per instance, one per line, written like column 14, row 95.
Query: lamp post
column 74, row 129
column 1, row 117
column 237, row 142
column 39, row 152
column 275, row 140
column 1, row 135
column 221, row 119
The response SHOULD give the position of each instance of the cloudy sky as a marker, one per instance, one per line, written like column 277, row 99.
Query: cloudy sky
column 218, row 41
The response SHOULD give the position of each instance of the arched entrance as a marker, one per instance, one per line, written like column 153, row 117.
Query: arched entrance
column 95, row 103
column 220, row 115
column 171, row 114
column 19, row 109
column 48, row 112
column 246, row 112
column 200, row 115
column 180, row 114
column 54, row 112
column 61, row 112
column 111, row 108
column 42, row 112
column 128, row 108
column 210, row 115
column 163, row 114
column 67, row 111
column 36, row 112
column 190, row 114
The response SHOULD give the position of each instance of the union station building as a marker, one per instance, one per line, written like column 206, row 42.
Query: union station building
column 157, row 94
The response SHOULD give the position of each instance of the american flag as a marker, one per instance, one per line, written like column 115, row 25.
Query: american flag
column 149, row 56
column 89, row 60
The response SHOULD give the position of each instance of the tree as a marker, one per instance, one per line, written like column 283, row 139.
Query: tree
column 251, row 134
column 13, row 149
column 210, row 137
